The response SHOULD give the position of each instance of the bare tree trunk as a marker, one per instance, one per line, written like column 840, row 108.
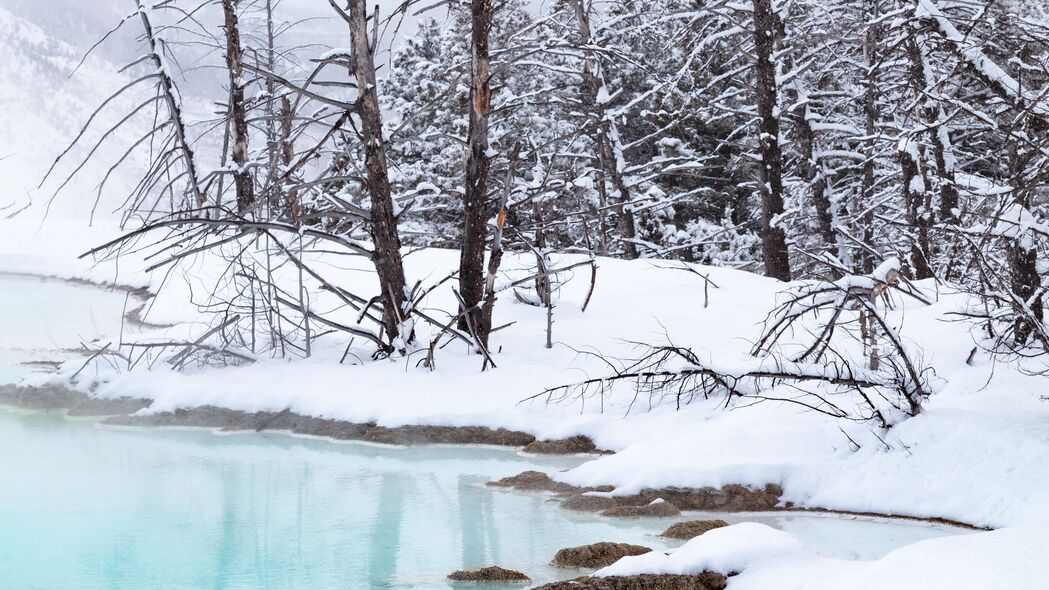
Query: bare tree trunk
column 610, row 154
column 167, row 88
column 915, row 197
column 496, row 257
column 773, row 239
column 810, row 170
column 478, row 164
column 237, row 113
column 274, row 120
column 871, row 45
column 387, row 255
column 287, row 153
column 1022, row 255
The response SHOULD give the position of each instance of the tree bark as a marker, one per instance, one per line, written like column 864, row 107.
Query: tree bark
column 915, row 197
column 871, row 54
column 238, row 118
column 387, row 243
column 478, row 165
column 773, row 238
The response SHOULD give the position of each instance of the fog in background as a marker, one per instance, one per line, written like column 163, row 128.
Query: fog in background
column 81, row 23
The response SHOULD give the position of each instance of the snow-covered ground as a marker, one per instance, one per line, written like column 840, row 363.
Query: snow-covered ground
column 978, row 453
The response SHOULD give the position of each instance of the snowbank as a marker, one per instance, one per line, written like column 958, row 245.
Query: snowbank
column 724, row 550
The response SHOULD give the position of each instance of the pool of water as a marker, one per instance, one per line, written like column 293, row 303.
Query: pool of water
column 50, row 320
column 89, row 507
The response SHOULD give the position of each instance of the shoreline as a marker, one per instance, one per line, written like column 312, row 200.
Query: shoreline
column 730, row 498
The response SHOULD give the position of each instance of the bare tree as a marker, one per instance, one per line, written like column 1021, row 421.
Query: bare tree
column 238, row 117
column 383, row 221
column 478, row 165
column 773, row 238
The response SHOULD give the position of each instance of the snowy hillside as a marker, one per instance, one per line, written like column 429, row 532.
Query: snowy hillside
column 44, row 107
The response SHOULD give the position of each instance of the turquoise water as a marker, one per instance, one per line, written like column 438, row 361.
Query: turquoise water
column 84, row 507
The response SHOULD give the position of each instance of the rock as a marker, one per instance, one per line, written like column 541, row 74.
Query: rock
column 597, row 555
column 692, row 528
column 656, row 508
column 589, row 503
column 533, row 481
column 730, row 498
column 704, row 581
column 563, row 446
column 488, row 574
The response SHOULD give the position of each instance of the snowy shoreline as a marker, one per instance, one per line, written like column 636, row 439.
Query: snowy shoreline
column 121, row 413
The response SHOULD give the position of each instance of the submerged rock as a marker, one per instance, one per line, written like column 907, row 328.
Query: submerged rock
column 488, row 574
column 562, row 446
column 533, row 481
column 692, row 528
column 703, row 581
column 657, row 508
column 597, row 555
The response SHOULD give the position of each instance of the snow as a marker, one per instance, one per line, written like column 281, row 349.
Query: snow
column 999, row 559
column 765, row 558
column 978, row 452
column 726, row 550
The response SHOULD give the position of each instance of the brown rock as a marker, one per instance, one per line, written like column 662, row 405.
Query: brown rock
column 704, row 581
column 488, row 574
column 653, row 509
column 692, row 528
column 533, row 481
column 597, row 555
column 588, row 503
column 730, row 498
column 563, row 446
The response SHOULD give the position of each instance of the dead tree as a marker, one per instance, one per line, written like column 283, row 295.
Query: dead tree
column 917, row 200
column 872, row 40
column 238, row 118
column 383, row 220
column 478, row 165
column 167, row 91
column 773, row 238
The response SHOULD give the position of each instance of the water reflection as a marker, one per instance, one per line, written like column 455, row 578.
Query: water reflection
column 101, row 509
